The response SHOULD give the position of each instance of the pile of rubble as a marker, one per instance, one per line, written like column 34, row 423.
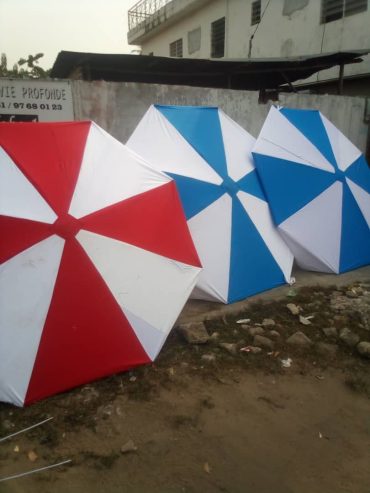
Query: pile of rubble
column 326, row 321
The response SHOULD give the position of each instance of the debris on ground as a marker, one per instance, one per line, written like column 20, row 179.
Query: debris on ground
column 128, row 447
column 294, row 309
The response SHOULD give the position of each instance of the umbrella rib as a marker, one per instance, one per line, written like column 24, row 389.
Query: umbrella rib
column 293, row 154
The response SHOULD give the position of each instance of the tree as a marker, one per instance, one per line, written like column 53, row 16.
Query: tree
column 25, row 68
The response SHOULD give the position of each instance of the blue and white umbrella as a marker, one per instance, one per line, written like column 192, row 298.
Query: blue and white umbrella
column 318, row 187
column 209, row 157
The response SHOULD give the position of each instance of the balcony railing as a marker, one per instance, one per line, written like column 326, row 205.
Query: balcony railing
column 143, row 11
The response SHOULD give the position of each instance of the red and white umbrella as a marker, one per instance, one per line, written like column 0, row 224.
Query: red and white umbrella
column 96, row 260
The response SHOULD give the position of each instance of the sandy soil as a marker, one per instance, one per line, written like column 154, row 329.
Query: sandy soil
column 239, row 424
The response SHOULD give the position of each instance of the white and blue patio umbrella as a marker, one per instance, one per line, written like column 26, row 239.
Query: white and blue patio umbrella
column 209, row 157
column 318, row 187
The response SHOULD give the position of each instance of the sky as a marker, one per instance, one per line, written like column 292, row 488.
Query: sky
column 28, row 27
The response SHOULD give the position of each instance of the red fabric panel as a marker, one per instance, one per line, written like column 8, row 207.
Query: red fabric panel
column 86, row 335
column 17, row 235
column 153, row 220
column 49, row 155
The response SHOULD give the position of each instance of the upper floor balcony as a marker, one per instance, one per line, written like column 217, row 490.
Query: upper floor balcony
column 147, row 17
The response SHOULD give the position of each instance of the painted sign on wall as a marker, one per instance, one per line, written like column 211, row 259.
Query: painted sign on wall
column 35, row 100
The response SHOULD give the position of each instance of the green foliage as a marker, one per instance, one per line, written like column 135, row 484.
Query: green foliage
column 25, row 68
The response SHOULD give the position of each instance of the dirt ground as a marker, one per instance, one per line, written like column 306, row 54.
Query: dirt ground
column 236, row 422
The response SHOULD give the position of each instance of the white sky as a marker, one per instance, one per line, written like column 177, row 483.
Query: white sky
column 28, row 27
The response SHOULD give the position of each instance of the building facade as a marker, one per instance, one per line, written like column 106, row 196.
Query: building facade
column 255, row 29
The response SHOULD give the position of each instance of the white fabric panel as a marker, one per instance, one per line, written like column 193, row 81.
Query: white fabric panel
column 211, row 233
column 26, row 288
column 151, row 287
column 150, row 338
column 18, row 197
column 258, row 211
column 362, row 198
column 288, row 141
column 318, row 227
column 344, row 151
column 305, row 260
column 158, row 141
column 238, row 144
column 109, row 174
column 267, row 148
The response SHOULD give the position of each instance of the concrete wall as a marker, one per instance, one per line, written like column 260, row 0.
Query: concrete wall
column 118, row 107
column 288, row 28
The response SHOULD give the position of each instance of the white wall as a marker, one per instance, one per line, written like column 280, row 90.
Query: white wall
column 278, row 35
column 159, row 44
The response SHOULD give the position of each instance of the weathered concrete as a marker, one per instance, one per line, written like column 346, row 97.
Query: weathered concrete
column 118, row 107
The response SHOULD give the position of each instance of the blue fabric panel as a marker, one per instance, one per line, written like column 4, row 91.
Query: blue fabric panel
column 359, row 173
column 252, row 267
column 290, row 186
column 195, row 195
column 355, row 241
column 309, row 123
column 202, row 129
column 250, row 183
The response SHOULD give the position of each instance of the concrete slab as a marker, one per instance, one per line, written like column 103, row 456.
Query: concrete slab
column 197, row 310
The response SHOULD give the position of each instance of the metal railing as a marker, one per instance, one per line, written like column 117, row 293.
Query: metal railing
column 143, row 10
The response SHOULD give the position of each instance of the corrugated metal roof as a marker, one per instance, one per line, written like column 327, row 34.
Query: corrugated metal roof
column 252, row 74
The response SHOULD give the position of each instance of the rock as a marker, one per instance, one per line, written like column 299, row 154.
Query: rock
column 208, row 358
column 241, row 343
column 325, row 349
column 128, row 447
column 294, row 309
column 304, row 320
column 330, row 332
column 349, row 337
column 245, row 326
column 194, row 333
column 299, row 339
column 107, row 410
column 7, row 425
column 365, row 316
column 263, row 342
column 274, row 334
column 32, row 456
column 215, row 336
column 339, row 302
column 351, row 294
column 230, row 347
column 256, row 331
column 364, row 349
column 268, row 322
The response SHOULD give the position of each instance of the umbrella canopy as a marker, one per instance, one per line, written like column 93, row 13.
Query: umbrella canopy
column 209, row 156
column 96, row 258
column 318, row 187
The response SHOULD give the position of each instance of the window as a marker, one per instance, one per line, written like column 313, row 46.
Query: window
column 255, row 12
column 194, row 40
column 331, row 10
column 218, row 38
column 176, row 48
